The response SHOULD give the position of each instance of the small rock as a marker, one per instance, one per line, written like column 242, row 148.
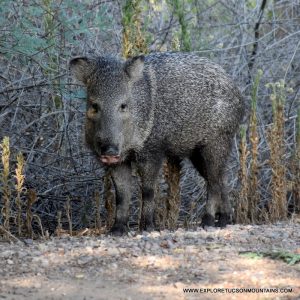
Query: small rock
column 145, row 238
column 164, row 244
column 7, row 254
column 36, row 253
column 114, row 266
column 37, row 285
column 209, row 238
column 223, row 269
column 135, row 251
column 131, row 234
column 243, row 240
column 21, row 254
column 285, row 235
column 189, row 235
column 147, row 246
column 42, row 247
column 211, row 229
column 263, row 239
column 44, row 263
column 28, row 242
column 61, row 251
column 155, row 234
column 89, row 249
column 155, row 247
column 272, row 235
column 113, row 251
column 190, row 249
column 10, row 262
column 170, row 244
column 83, row 260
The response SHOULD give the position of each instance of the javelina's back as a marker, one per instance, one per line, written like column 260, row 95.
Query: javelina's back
column 195, row 101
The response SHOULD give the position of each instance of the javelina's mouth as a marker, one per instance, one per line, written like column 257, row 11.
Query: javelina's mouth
column 110, row 159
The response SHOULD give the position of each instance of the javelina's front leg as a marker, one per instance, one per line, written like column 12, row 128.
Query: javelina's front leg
column 121, row 176
column 149, row 173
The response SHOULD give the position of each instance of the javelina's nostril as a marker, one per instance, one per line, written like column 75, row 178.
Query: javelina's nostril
column 103, row 149
column 109, row 150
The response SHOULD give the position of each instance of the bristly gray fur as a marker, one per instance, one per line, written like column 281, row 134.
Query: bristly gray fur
column 178, row 105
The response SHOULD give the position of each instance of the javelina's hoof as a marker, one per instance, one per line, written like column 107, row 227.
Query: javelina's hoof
column 119, row 230
column 148, row 227
column 224, row 219
column 208, row 220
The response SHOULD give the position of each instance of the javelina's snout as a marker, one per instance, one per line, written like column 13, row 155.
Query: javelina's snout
column 110, row 150
column 109, row 154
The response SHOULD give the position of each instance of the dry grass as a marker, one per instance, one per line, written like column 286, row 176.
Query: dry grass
column 172, row 177
column 5, row 180
column 250, row 209
column 97, row 211
column 278, row 204
column 19, row 189
column 247, row 208
column 31, row 199
column 168, row 203
column 133, row 39
column 242, row 203
column 8, row 214
column 253, row 196
column 296, row 168
column 68, row 210
column 110, row 201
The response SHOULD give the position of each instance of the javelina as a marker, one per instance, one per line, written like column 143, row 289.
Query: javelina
column 147, row 108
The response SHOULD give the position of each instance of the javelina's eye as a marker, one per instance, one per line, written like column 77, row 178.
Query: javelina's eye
column 95, row 107
column 123, row 107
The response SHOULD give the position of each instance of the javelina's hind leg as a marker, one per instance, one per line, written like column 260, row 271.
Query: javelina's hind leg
column 121, row 176
column 225, row 213
column 212, row 204
column 149, row 173
column 210, row 160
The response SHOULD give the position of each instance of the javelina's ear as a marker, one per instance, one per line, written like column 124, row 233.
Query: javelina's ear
column 134, row 67
column 81, row 68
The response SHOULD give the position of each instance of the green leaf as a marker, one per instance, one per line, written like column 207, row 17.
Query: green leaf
column 288, row 257
column 251, row 255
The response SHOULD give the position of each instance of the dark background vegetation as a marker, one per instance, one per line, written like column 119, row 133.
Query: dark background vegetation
column 42, row 109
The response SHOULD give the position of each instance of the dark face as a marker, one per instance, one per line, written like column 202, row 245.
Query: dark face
column 109, row 109
column 110, row 106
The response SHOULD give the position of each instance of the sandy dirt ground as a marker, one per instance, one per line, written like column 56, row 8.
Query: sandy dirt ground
column 220, row 263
